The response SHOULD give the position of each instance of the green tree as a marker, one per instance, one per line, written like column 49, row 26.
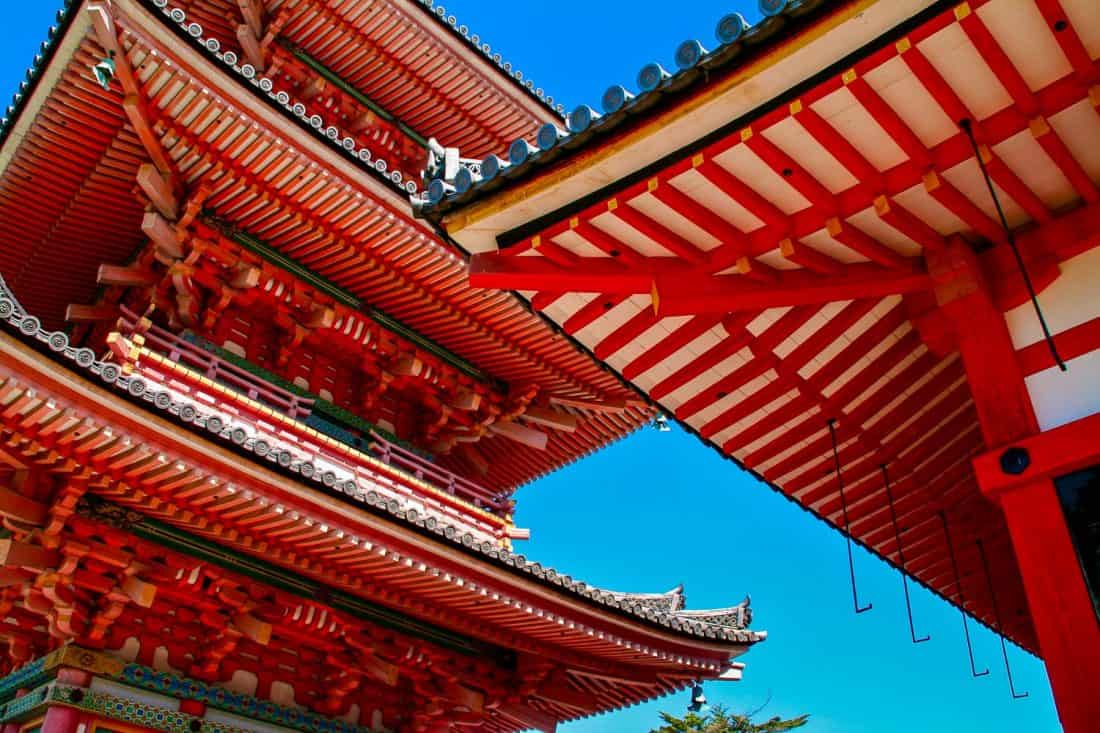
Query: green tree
column 718, row 720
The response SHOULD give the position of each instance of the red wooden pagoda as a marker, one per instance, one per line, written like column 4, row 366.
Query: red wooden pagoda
column 853, row 248
column 259, row 436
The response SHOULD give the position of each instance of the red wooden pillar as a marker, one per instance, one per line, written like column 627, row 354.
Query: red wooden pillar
column 61, row 719
column 1061, row 611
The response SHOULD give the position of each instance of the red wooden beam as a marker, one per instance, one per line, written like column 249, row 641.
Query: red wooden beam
column 594, row 275
column 1011, row 184
column 1050, row 454
column 992, row 53
column 592, row 311
column 1070, row 41
column 634, row 327
column 957, row 203
column 896, row 216
column 1063, row 158
column 742, row 193
column 931, row 79
column 857, row 349
column 1077, row 341
column 723, row 294
column 698, row 214
column 856, row 240
column 659, row 233
column 887, row 118
column 737, row 339
column 837, row 145
column 794, row 174
column 608, row 244
column 678, row 339
column 739, row 411
column 763, row 360
column 809, row 257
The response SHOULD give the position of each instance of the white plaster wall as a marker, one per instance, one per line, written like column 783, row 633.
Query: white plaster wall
column 1074, row 298
column 1062, row 397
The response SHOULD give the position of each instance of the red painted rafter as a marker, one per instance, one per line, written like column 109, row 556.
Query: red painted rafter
column 634, row 327
column 678, row 339
column 837, row 145
column 786, row 167
column 679, row 289
column 857, row 240
column 1070, row 41
column 659, row 233
column 957, row 110
column 727, row 347
column 823, row 378
column 791, row 321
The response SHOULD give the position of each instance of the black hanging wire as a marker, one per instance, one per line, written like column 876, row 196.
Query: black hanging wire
column 968, row 129
column 901, row 558
column 962, row 598
column 1000, row 627
column 847, row 527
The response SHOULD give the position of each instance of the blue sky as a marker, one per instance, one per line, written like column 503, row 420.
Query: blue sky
column 660, row 509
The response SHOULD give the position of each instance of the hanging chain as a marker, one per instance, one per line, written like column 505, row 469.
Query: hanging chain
column 1020, row 264
column 847, row 527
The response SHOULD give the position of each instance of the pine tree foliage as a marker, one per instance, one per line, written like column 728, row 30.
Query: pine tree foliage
column 718, row 720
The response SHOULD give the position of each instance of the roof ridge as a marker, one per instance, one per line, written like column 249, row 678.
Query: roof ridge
column 439, row 13
column 693, row 61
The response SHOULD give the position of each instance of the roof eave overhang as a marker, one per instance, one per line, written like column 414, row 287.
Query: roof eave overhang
column 57, row 53
column 60, row 383
column 668, row 131
column 508, row 85
column 140, row 19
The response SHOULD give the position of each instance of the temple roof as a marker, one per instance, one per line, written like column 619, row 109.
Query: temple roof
column 762, row 253
column 738, row 44
column 478, row 48
column 376, row 252
column 528, row 85
column 660, row 609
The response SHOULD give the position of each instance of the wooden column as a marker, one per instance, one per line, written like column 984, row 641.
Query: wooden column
column 1063, row 614
column 1064, row 619
column 61, row 719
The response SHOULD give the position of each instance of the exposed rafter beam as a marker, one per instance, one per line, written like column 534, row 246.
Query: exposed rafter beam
column 695, row 296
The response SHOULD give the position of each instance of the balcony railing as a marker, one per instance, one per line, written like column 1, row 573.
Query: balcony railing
column 455, row 485
column 217, row 369
column 299, row 408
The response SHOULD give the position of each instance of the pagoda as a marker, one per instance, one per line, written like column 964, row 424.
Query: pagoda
column 854, row 248
column 259, row 435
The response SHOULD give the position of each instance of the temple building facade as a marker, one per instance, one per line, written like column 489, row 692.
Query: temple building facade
column 854, row 248
column 260, row 435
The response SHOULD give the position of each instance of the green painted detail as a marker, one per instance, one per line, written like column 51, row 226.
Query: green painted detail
column 26, row 706
column 134, row 713
column 213, row 696
column 277, row 577
column 337, row 293
column 176, row 687
column 24, row 677
column 337, row 81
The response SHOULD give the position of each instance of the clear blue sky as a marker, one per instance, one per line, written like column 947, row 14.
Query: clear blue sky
column 660, row 509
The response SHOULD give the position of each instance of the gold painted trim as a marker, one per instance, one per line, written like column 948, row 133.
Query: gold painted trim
column 330, row 443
